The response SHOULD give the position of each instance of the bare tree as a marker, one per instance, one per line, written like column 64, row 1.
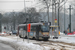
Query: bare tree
column 47, row 3
column 33, row 15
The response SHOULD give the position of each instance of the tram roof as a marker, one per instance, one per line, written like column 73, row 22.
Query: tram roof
column 31, row 24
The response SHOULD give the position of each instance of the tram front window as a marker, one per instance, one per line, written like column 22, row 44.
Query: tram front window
column 45, row 28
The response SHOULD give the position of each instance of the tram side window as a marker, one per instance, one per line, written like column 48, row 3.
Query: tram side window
column 20, row 28
column 38, row 28
column 33, row 28
column 25, row 28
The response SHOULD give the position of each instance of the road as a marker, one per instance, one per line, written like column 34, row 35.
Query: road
column 49, row 44
column 5, row 47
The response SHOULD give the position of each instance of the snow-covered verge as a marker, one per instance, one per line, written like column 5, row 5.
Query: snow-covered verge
column 20, row 45
column 66, row 39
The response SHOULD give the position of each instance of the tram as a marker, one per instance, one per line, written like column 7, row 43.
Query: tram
column 38, row 31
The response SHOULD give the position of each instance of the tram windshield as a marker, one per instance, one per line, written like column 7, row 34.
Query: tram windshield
column 45, row 28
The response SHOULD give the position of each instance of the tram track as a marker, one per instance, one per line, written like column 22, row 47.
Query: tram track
column 51, row 44
column 61, row 45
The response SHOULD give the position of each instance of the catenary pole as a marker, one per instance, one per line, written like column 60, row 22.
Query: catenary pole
column 64, row 15
column 58, row 12
column 52, row 14
column 25, row 15
column 70, row 18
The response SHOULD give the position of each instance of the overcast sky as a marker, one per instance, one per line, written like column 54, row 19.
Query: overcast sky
column 16, row 5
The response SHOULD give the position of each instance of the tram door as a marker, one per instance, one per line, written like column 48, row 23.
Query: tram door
column 37, row 31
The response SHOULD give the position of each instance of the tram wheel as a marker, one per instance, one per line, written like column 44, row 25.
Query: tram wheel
column 33, row 38
column 56, row 37
column 25, row 37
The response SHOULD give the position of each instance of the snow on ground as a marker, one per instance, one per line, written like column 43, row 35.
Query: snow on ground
column 24, row 45
column 65, row 38
column 30, row 46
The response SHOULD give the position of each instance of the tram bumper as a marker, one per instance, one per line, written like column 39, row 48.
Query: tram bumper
column 45, row 37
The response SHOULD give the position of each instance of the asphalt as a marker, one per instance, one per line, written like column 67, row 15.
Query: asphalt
column 5, row 47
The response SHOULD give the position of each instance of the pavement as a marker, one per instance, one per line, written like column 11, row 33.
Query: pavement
column 5, row 47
